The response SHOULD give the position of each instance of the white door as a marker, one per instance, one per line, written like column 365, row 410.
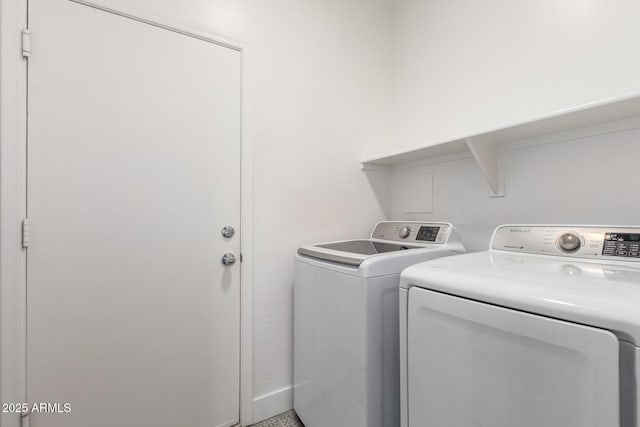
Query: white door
column 472, row 364
column 133, row 171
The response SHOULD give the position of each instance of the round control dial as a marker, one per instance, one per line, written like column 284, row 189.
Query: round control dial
column 404, row 232
column 569, row 242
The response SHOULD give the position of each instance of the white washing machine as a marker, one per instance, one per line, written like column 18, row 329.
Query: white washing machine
column 346, row 345
column 541, row 330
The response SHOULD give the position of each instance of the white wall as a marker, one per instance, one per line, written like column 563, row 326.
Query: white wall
column 464, row 66
column 320, row 89
column 588, row 176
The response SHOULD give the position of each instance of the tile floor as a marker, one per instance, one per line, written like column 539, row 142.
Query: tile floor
column 286, row 419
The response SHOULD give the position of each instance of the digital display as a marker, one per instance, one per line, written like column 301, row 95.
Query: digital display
column 621, row 245
column 623, row 237
column 428, row 234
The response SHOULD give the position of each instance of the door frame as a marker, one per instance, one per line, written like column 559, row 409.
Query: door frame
column 13, row 196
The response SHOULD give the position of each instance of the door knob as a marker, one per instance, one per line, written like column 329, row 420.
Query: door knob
column 228, row 231
column 228, row 259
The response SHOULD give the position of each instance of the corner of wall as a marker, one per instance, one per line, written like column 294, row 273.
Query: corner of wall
column 272, row 403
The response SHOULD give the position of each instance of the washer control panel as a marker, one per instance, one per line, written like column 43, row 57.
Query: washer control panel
column 414, row 232
column 598, row 242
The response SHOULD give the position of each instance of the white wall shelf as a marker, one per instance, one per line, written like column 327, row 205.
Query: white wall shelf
column 485, row 146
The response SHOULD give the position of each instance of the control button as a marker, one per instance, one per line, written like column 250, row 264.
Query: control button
column 404, row 232
column 621, row 253
column 634, row 254
column 569, row 242
column 609, row 248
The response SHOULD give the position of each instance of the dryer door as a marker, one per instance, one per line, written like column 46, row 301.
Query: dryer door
column 473, row 364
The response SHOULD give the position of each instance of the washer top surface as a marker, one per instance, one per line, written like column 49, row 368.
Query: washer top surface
column 590, row 277
column 366, row 247
column 391, row 247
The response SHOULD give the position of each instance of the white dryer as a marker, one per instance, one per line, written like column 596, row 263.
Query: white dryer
column 540, row 331
column 346, row 345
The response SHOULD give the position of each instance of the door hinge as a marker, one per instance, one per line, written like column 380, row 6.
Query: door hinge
column 26, row 43
column 25, row 233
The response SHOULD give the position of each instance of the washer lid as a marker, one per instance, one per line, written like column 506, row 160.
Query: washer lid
column 352, row 252
column 603, row 294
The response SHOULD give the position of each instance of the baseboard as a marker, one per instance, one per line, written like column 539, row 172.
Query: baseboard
column 273, row 403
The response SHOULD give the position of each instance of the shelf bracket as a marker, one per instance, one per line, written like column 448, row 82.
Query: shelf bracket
column 489, row 157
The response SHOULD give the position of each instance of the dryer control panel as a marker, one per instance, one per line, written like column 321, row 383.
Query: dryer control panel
column 622, row 244
column 415, row 232
column 593, row 242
